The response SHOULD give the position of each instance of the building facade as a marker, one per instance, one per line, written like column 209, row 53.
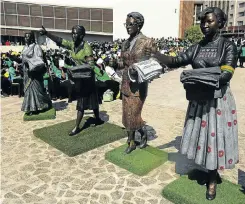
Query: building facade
column 186, row 19
column 198, row 8
column 19, row 17
column 103, row 20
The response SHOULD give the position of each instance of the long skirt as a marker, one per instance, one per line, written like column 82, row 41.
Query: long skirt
column 210, row 135
column 35, row 97
column 132, row 108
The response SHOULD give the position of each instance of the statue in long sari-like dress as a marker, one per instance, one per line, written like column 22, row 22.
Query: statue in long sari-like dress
column 35, row 98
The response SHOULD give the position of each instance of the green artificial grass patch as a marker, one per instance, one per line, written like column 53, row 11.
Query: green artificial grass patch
column 186, row 191
column 47, row 115
column 139, row 161
column 89, row 138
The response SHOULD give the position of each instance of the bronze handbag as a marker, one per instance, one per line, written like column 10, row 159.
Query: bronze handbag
column 80, row 72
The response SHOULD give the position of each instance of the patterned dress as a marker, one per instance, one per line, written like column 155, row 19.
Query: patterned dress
column 210, row 134
column 86, row 88
column 133, row 94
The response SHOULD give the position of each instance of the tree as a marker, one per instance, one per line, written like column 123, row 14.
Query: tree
column 194, row 34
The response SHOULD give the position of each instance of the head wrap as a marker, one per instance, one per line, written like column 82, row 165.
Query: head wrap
column 138, row 17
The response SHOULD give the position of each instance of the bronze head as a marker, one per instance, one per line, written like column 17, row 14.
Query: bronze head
column 78, row 33
column 212, row 19
column 29, row 38
column 134, row 23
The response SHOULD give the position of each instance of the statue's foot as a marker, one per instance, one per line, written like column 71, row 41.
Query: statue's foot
column 211, row 191
column 143, row 142
column 29, row 113
column 130, row 148
column 98, row 121
column 74, row 131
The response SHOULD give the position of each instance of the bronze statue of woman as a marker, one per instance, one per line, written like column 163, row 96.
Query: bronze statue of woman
column 35, row 98
column 210, row 135
column 81, row 52
column 134, row 94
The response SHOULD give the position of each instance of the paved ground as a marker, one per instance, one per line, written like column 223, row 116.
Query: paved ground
column 34, row 172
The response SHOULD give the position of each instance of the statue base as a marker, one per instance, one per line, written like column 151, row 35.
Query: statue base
column 187, row 189
column 47, row 115
column 139, row 161
column 89, row 137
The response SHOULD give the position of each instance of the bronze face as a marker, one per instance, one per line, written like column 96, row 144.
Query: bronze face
column 28, row 38
column 76, row 35
column 131, row 26
column 209, row 25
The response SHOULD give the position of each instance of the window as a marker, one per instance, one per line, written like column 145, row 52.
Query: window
column 23, row 9
column 232, row 7
column 231, row 15
column 241, row 14
column 241, row 5
column 239, row 23
column 230, row 24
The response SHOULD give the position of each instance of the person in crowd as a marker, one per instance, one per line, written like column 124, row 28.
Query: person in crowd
column 210, row 135
column 35, row 99
column 242, row 55
column 134, row 94
column 81, row 53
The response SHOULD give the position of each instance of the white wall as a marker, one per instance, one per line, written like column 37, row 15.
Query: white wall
column 160, row 17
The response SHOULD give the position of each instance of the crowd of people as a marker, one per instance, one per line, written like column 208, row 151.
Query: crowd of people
column 56, row 82
column 106, row 55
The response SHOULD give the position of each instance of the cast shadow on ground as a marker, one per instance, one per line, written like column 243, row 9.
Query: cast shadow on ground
column 183, row 165
column 241, row 180
column 59, row 106
column 91, row 121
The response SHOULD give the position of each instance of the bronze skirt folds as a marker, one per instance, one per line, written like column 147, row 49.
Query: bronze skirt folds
column 132, row 108
column 210, row 135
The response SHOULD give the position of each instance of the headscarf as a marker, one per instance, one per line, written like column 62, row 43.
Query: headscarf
column 138, row 17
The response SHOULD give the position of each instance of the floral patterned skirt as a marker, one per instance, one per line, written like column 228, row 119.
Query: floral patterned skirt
column 210, row 134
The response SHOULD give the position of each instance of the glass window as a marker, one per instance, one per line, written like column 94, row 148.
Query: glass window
column 2, row 6
column 23, row 9
column 230, row 24
column 2, row 19
column 3, row 31
column 36, row 22
column 107, row 15
column 60, row 24
column 36, row 10
column 11, row 20
column 72, row 13
column 12, row 32
column 241, row 14
column 84, row 13
column 96, row 26
column 231, row 15
column 232, row 6
column 85, row 24
column 60, row 12
column 10, row 8
column 239, row 23
column 241, row 5
column 71, row 23
column 96, row 14
column 48, row 11
column 24, row 21
column 48, row 22
column 108, row 27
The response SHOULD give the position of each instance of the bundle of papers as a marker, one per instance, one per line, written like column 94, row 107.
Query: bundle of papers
column 148, row 70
